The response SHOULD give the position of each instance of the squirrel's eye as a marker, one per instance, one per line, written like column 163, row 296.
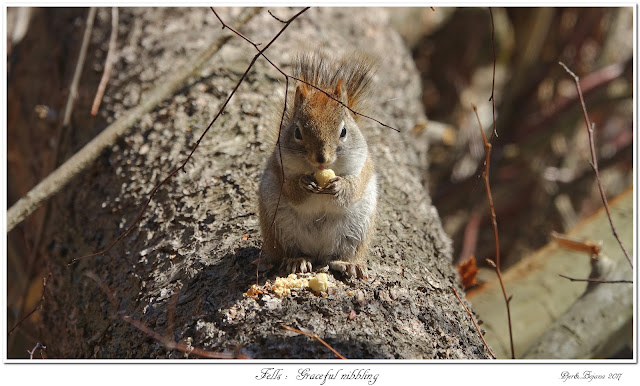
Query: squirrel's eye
column 343, row 132
column 298, row 134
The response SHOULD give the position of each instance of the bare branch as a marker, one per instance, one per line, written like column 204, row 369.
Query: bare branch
column 166, row 342
column 493, row 79
column 597, row 280
column 33, row 350
column 474, row 323
column 494, row 223
column 316, row 337
column 594, row 160
column 108, row 64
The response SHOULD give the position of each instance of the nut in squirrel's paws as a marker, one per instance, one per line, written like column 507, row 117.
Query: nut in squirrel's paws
column 349, row 269
column 297, row 265
column 324, row 176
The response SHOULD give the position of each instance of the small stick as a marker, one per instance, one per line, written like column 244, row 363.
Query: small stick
column 474, row 323
column 37, row 346
column 169, row 344
column 597, row 280
column 493, row 79
column 36, row 308
column 73, row 90
column 594, row 160
column 589, row 247
column 494, row 223
column 108, row 64
column 276, row 17
column 316, row 337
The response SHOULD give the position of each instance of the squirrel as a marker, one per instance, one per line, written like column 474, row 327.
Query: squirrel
column 303, row 222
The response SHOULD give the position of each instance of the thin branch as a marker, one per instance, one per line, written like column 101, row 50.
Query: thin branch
column 494, row 223
column 109, row 61
column 493, row 79
column 589, row 247
column 474, row 323
column 167, row 343
column 73, row 90
column 594, row 161
column 316, row 337
column 79, row 161
column 276, row 17
column 597, row 280
column 33, row 350
column 37, row 307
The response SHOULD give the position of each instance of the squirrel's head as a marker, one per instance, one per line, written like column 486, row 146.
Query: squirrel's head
column 323, row 130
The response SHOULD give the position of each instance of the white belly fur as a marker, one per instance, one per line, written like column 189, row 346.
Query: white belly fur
column 323, row 231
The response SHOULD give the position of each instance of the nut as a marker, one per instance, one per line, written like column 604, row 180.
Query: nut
column 324, row 176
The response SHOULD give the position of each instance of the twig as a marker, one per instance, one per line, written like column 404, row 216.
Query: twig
column 597, row 280
column 594, row 160
column 73, row 90
column 195, row 146
column 169, row 344
column 61, row 176
column 33, row 350
column 36, row 308
column 494, row 223
column 589, row 247
column 108, row 64
column 316, row 337
column 474, row 323
column 276, row 17
column 493, row 79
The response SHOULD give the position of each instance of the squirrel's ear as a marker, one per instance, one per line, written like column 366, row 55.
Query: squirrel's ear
column 301, row 93
column 341, row 91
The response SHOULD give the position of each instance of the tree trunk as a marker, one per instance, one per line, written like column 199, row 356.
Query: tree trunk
column 199, row 236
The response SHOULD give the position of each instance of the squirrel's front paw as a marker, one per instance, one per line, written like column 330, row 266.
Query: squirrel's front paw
column 296, row 265
column 334, row 186
column 349, row 269
column 308, row 182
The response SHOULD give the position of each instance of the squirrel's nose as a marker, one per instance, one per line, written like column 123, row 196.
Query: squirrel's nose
column 320, row 158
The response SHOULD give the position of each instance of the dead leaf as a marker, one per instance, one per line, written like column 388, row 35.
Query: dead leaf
column 468, row 270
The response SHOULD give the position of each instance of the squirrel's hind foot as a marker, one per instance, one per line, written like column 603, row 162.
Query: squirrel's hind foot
column 349, row 269
column 296, row 265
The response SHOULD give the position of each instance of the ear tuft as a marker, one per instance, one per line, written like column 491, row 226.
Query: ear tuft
column 341, row 91
column 302, row 91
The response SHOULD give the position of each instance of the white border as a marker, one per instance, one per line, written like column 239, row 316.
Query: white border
column 522, row 372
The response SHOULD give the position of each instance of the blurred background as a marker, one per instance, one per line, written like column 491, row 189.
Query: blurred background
column 541, row 176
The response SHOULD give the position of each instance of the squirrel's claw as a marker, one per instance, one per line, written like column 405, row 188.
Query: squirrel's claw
column 334, row 186
column 297, row 265
column 352, row 270
column 308, row 182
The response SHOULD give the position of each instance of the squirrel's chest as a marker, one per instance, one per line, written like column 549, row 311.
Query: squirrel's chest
column 317, row 206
